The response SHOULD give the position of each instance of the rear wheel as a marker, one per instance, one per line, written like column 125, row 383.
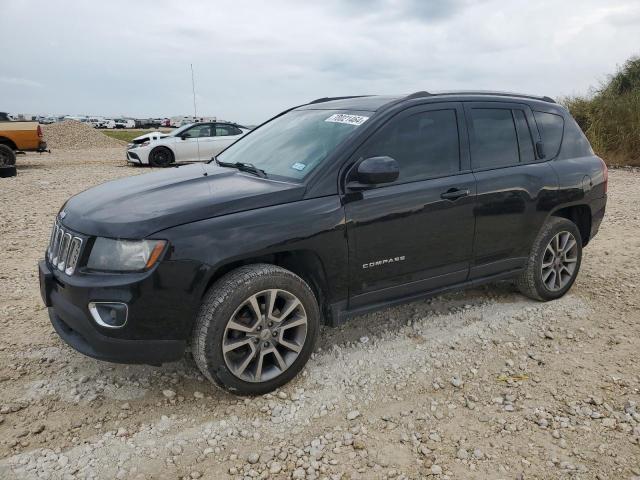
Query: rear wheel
column 161, row 157
column 7, row 156
column 256, row 329
column 554, row 262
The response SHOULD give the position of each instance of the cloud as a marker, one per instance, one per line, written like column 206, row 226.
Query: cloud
column 23, row 82
column 253, row 59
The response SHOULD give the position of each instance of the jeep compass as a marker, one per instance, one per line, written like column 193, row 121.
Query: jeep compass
column 328, row 210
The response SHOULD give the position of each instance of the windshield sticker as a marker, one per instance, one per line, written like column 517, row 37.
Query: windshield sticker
column 299, row 166
column 346, row 118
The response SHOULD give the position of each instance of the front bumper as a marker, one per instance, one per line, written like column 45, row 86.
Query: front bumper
column 76, row 327
column 133, row 157
column 138, row 155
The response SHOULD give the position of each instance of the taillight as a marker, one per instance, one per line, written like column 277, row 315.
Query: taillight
column 39, row 132
column 605, row 175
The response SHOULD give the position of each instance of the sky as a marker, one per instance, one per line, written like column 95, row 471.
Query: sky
column 253, row 59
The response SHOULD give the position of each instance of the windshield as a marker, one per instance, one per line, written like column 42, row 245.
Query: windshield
column 178, row 131
column 297, row 142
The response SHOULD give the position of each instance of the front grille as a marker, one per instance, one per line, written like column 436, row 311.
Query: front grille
column 64, row 249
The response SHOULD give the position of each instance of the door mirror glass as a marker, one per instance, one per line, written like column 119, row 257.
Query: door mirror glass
column 376, row 170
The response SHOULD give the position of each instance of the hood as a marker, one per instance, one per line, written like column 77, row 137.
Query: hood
column 135, row 207
column 151, row 136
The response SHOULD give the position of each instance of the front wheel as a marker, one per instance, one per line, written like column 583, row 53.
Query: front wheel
column 161, row 157
column 256, row 329
column 554, row 262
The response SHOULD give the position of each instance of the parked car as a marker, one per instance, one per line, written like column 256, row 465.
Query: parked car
column 48, row 120
column 331, row 209
column 18, row 136
column 95, row 122
column 108, row 124
column 191, row 143
column 125, row 123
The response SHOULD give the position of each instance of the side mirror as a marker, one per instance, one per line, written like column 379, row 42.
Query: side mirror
column 373, row 171
column 184, row 136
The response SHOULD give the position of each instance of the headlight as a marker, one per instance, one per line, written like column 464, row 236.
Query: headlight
column 124, row 255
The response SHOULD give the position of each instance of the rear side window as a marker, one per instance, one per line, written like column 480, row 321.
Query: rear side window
column 524, row 137
column 225, row 130
column 550, row 126
column 425, row 145
column 494, row 141
column 574, row 143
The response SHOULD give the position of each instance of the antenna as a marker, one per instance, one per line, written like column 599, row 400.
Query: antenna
column 195, row 111
column 193, row 88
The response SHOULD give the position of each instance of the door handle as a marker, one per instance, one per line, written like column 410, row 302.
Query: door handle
column 454, row 194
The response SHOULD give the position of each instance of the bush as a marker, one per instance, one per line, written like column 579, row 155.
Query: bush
column 610, row 117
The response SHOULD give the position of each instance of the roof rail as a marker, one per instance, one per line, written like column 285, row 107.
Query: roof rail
column 328, row 99
column 420, row 94
column 490, row 92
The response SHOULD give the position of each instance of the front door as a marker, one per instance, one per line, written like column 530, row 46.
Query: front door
column 415, row 234
column 194, row 146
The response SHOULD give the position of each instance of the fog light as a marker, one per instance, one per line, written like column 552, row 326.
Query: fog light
column 109, row 314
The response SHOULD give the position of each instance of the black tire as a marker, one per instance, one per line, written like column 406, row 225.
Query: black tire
column 531, row 281
column 7, row 156
column 161, row 157
column 222, row 303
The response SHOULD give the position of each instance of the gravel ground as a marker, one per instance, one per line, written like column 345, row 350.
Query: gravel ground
column 483, row 384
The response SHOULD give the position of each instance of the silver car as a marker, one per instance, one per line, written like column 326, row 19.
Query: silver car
column 191, row 143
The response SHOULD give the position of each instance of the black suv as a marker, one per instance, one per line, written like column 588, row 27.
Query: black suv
column 330, row 209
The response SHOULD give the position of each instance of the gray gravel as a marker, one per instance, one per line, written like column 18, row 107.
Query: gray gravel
column 483, row 384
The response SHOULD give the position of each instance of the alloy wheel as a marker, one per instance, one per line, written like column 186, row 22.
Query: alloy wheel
column 559, row 261
column 265, row 335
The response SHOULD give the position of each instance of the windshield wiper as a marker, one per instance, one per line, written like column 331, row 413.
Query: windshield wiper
column 243, row 167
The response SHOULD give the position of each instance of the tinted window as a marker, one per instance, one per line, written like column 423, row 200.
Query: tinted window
column 550, row 127
column 200, row 131
column 494, row 141
column 574, row 143
column 225, row 130
column 425, row 145
column 524, row 137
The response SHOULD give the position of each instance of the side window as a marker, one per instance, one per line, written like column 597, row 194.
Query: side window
column 225, row 130
column 425, row 145
column 494, row 142
column 200, row 131
column 524, row 137
column 550, row 126
column 574, row 143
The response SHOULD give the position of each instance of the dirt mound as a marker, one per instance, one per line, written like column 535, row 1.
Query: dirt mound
column 75, row 135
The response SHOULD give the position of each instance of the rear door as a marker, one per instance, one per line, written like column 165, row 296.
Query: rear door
column 416, row 234
column 225, row 135
column 516, row 189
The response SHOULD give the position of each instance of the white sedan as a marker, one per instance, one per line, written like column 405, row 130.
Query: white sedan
column 191, row 143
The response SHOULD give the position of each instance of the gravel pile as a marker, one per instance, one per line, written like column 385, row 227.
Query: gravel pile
column 75, row 135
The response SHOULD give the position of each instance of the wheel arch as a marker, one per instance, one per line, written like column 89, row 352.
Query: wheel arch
column 8, row 142
column 581, row 216
column 307, row 264
column 156, row 147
